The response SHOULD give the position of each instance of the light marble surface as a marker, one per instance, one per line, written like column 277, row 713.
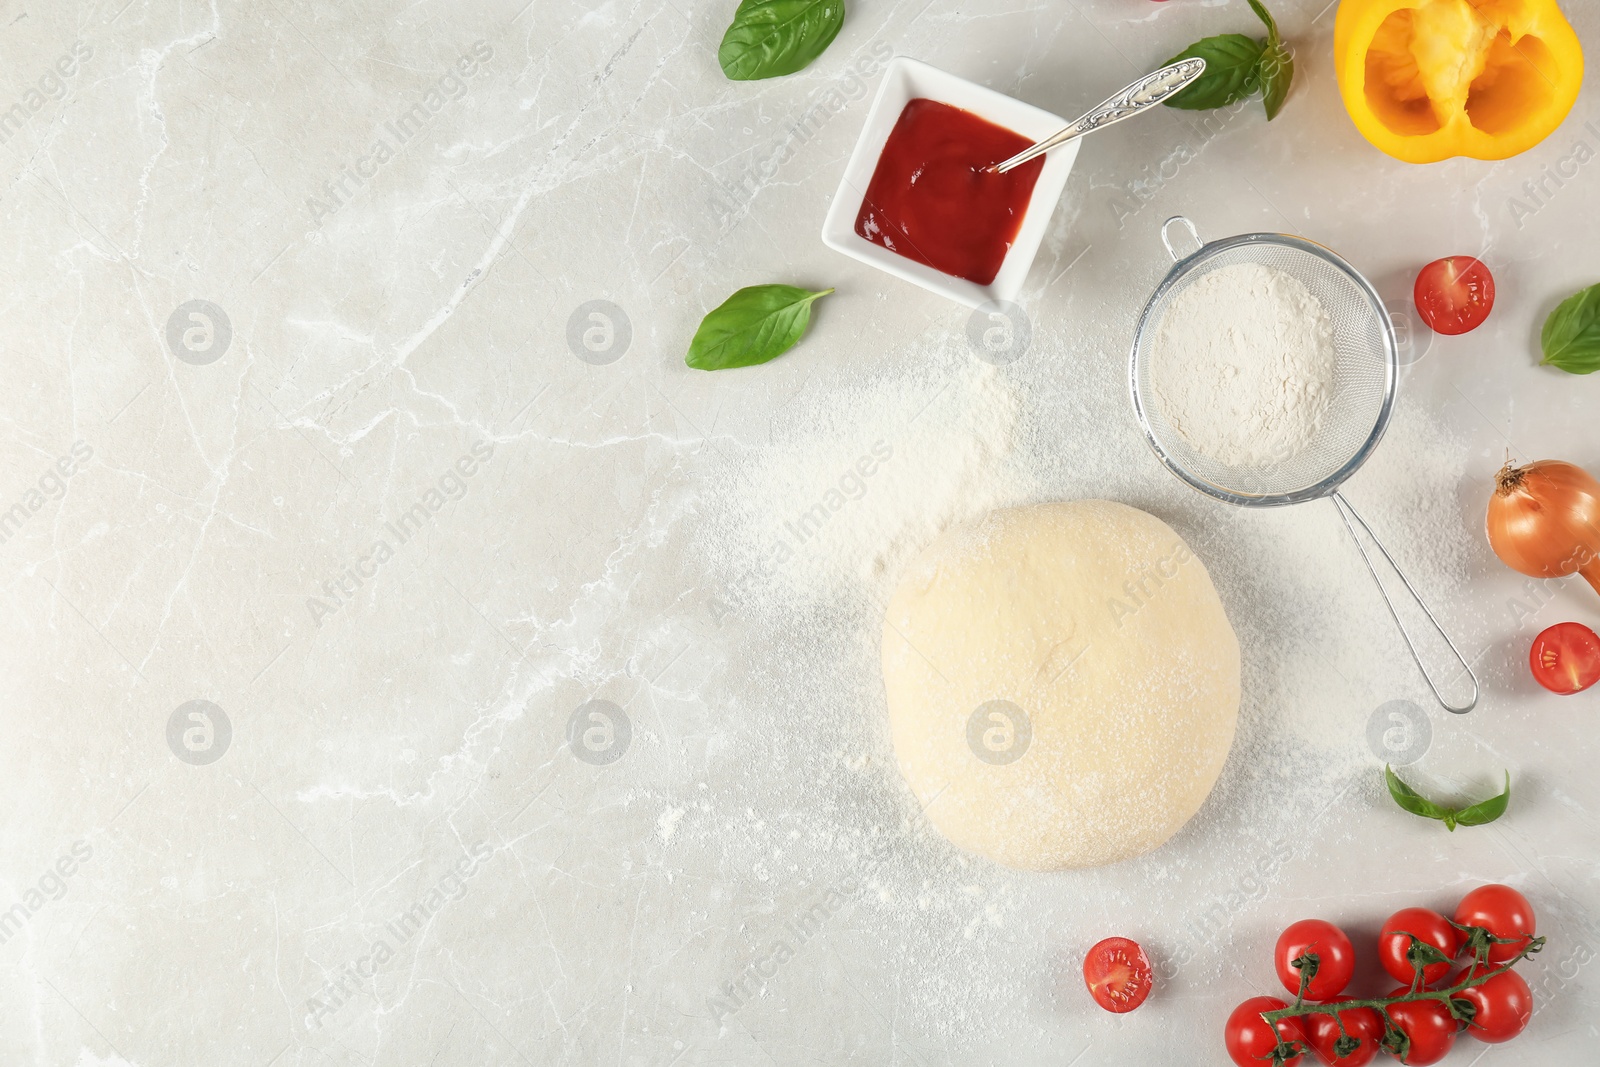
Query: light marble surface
column 396, row 737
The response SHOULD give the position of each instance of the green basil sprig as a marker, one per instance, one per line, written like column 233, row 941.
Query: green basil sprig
column 769, row 38
column 1571, row 335
column 1473, row 815
column 1231, row 63
column 1236, row 67
column 755, row 324
column 1276, row 70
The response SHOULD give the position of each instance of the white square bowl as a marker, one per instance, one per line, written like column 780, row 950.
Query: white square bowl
column 908, row 79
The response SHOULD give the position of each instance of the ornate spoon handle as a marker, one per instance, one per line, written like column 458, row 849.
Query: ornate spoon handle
column 1148, row 91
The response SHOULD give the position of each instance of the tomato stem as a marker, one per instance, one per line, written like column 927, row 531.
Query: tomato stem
column 1306, row 963
column 1381, row 1005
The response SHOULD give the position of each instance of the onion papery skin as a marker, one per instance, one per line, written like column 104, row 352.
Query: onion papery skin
column 1544, row 520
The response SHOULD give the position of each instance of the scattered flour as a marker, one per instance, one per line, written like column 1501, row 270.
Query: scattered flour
column 667, row 823
column 1243, row 365
column 805, row 799
column 855, row 482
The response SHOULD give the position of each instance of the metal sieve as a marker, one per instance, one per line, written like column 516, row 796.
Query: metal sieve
column 1364, row 378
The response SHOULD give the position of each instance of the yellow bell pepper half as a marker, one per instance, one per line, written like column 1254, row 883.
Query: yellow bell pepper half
column 1426, row 80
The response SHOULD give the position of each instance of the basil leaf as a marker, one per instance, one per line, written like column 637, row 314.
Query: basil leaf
column 1232, row 64
column 1571, row 337
column 1475, row 815
column 1487, row 811
column 1275, row 71
column 772, row 37
column 1411, row 800
column 752, row 326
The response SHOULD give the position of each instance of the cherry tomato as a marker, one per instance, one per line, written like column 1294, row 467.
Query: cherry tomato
column 1429, row 1025
column 1336, row 958
column 1454, row 294
column 1118, row 974
column 1360, row 1024
column 1429, row 926
column 1565, row 658
column 1250, row 1040
column 1503, row 1005
column 1502, row 911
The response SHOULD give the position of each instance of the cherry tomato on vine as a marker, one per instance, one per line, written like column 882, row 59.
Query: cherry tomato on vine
column 1360, row 1024
column 1251, row 1041
column 1502, row 1005
column 1428, row 1025
column 1429, row 926
column 1565, row 658
column 1454, row 294
column 1502, row 911
column 1118, row 974
column 1336, row 958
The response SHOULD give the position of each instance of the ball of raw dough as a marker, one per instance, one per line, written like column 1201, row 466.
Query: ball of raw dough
column 1063, row 684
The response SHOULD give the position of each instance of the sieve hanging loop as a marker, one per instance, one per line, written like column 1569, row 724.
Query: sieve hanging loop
column 1166, row 238
column 1351, row 520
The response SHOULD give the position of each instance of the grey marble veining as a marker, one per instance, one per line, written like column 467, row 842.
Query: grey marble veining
column 369, row 696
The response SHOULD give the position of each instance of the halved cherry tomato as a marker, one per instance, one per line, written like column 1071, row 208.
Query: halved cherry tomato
column 1502, row 1005
column 1454, row 294
column 1429, row 1027
column 1118, row 974
column 1428, row 926
column 1362, row 1025
column 1565, row 658
column 1251, row 1041
column 1502, row 911
column 1336, row 958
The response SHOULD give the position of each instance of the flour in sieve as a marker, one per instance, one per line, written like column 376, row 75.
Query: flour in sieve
column 1243, row 363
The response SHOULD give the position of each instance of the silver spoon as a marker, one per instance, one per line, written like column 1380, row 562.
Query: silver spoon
column 1147, row 92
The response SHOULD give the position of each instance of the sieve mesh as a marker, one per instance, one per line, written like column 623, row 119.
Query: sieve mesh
column 1363, row 379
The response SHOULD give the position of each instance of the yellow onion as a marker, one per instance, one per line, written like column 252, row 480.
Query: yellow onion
column 1544, row 520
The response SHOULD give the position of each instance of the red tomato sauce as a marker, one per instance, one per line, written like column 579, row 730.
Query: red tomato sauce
column 932, row 201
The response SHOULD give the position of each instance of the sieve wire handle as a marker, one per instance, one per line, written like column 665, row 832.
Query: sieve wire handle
column 1166, row 238
column 1351, row 521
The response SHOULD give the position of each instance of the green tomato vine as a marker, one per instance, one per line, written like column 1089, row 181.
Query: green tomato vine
column 1477, row 939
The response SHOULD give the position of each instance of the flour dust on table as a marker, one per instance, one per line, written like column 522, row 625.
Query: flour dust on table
column 855, row 482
